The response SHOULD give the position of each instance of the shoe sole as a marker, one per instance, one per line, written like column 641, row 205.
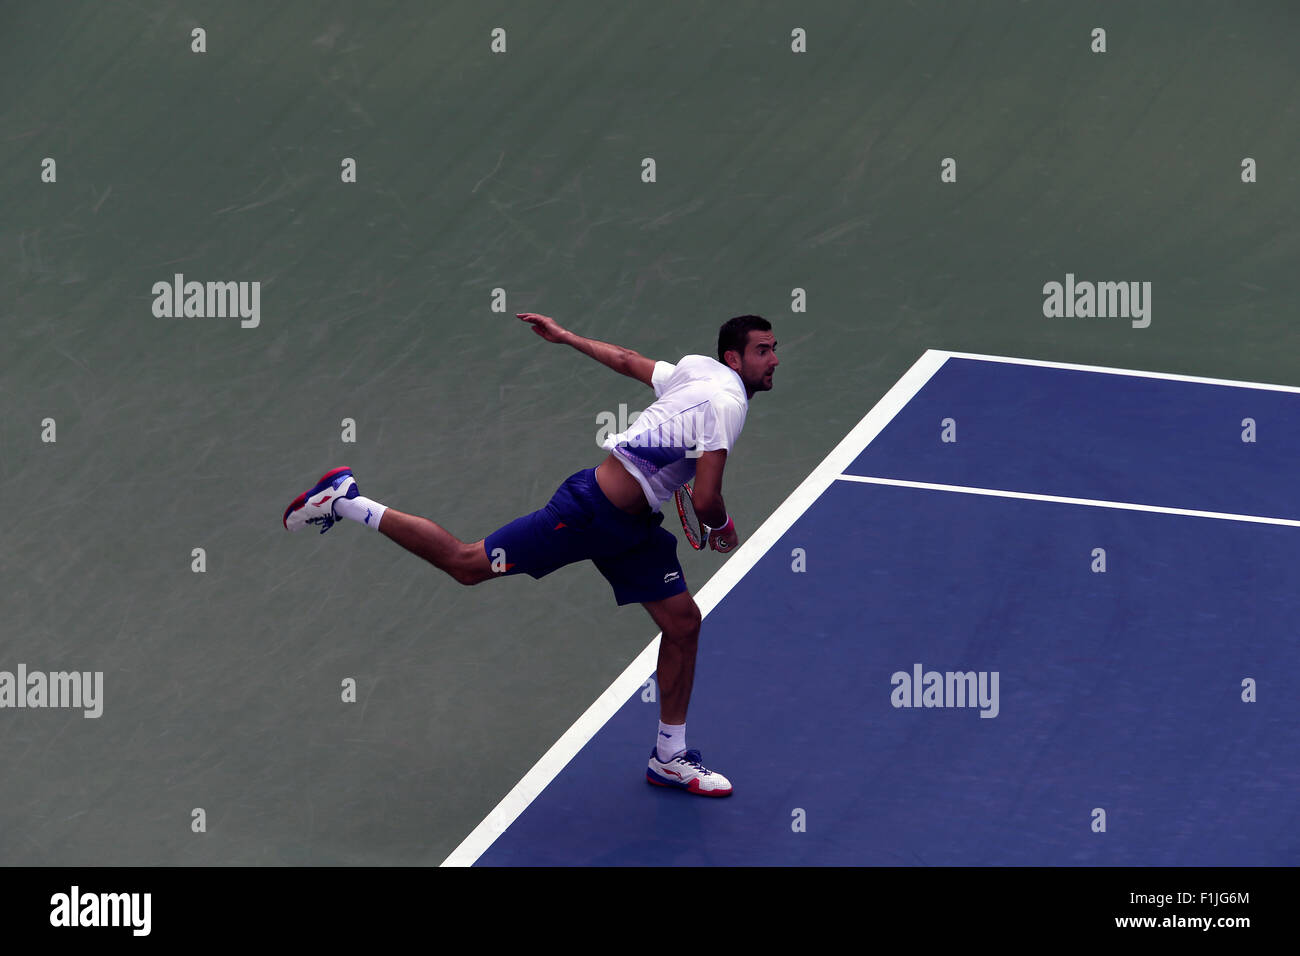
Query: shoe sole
column 692, row 787
column 325, row 481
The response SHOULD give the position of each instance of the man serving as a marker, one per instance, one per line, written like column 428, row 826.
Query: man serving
column 611, row 514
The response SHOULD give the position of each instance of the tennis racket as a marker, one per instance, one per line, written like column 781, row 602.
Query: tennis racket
column 691, row 522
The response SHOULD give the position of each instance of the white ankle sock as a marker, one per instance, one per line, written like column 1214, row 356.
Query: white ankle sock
column 671, row 740
column 361, row 510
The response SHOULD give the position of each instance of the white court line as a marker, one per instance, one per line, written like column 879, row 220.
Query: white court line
column 739, row 564
column 1060, row 499
column 1132, row 373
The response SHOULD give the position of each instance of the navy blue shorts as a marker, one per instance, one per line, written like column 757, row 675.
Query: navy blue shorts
column 636, row 555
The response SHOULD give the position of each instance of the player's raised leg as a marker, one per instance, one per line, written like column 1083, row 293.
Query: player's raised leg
column 467, row 562
column 336, row 496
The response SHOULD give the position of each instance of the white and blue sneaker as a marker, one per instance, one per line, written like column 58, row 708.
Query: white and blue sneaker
column 685, row 772
column 317, row 505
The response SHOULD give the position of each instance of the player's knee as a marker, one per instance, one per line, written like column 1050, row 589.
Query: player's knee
column 472, row 567
column 472, row 576
column 685, row 626
column 466, row 576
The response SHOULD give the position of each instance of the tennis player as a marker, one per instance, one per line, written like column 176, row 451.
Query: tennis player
column 611, row 514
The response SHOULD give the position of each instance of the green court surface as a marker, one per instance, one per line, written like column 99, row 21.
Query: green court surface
column 522, row 171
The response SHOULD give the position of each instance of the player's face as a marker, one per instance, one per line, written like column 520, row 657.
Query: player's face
column 758, row 362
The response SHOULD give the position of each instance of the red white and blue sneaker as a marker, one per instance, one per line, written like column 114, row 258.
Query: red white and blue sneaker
column 316, row 506
column 685, row 772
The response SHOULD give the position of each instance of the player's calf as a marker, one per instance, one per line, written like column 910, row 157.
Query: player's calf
column 463, row 562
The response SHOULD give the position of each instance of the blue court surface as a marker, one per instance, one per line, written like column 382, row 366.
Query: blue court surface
column 1079, row 610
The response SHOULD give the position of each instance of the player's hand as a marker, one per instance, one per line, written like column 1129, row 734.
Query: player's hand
column 724, row 539
column 544, row 325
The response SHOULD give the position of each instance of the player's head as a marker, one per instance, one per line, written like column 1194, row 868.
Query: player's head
column 747, row 346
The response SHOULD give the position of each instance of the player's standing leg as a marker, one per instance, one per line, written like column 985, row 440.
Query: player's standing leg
column 671, row 764
column 678, row 618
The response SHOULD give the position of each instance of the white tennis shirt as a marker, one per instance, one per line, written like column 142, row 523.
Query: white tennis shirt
column 701, row 406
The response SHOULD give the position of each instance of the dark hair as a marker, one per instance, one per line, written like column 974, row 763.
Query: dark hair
column 734, row 334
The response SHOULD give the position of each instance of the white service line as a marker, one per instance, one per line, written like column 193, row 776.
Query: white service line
column 746, row 556
column 1130, row 372
column 1060, row 499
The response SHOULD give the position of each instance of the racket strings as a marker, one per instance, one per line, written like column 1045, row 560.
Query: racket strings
column 690, row 520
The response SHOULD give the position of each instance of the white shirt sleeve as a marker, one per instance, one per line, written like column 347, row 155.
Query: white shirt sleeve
column 659, row 378
column 721, row 424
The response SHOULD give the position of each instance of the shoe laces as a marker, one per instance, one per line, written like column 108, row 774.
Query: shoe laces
column 692, row 757
column 325, row 521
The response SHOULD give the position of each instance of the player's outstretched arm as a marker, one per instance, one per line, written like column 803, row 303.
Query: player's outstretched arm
column 621, row 360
